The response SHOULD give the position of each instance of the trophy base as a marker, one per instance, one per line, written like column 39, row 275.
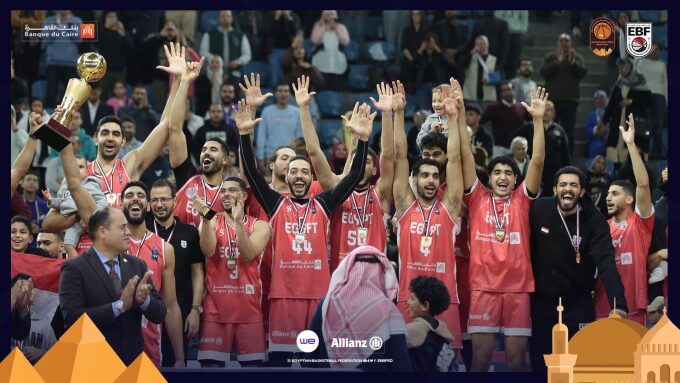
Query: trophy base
column 54, row 134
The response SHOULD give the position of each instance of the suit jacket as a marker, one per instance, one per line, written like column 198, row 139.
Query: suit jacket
column 103, row 110
column 85, row 287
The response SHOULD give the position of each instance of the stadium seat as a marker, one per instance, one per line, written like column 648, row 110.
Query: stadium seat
column 329, row 132
column 356, row 26
column 407, row 127
column 358, row 76
column 352, row 51
column 39, row 89
column 209, row 20
column 379, row 51
column 258, row 67
column 647, row 16
column 660, row 35
column 366, row 97
column 330, row 103
column 660, row 166
column 309, row 48
column 374, row 28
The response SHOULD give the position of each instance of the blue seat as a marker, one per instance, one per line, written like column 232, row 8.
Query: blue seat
column 657, row 194
column 258, row 67
column 663, row 56
column 330, row 103
column 358, row 76
column 39, row 89
column 356, row 26
column 329, row 132
column 660, row 166
column 411, row 105
column 380, row 51
column 374, row 28
column 647, row 16
column 660, row 35
column 366, row 97
column 209, row 20
column 352, row 51
column 309, row 48
column 407, row 127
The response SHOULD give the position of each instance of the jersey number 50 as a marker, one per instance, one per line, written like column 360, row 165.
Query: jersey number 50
column 354, row 240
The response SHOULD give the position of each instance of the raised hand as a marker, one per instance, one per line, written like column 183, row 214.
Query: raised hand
column 398, row 96
column 449, row 101
column 628, row 135
column 538, row 98
column 199, row 204
column 241, row 115
column 302, row 95
column 254, row 95
column 144, row 288
column 176, row 59
column 361, row 122
column 35, row 121
column 457, row 94
column 384, row 103
column 128, row 292
column 48, row 196
column 193, row 69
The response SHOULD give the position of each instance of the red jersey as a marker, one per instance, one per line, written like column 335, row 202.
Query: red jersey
column 84, row 243
column 434, row 257
column 631, row 239
column 346, row 232
column 114, row 181
column 151, row 249
column 299, row 265
column 196, row 185
column 232, row 293
column 500, row 257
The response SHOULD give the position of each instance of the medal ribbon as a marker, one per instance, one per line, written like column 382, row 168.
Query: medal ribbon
column 356, row 208
column 578, row 228
column 205, row 194
column 499, row 222
column 427, row 222
column 106, row 180
column 300, row 221
column 174, row 226
column 140, row 245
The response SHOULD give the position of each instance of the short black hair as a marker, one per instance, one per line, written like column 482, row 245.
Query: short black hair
column 34, row 99
column 32, row 172
column 138, row 184
column 519, row 63
column 298, row 157
column 434, row 139
column 504, row 82
column 474, row 107
column 223, row 145
column 415, row 171
column 17, row 278
column 571, row 170
column 282, row 84
column 24, row 220
column 370, row 152
column 100, row 217
column 108, row 119
column 126, row 119
column 227, row 84
column 503, row 160
column 238, row 180
column 626, row 185
column 433, row 291
column 275, row 154
column 164, row 183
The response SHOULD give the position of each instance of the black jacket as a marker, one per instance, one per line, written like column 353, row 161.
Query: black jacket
column 553, row 258
column 85, row 287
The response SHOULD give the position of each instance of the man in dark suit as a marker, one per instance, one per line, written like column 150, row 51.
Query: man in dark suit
column 103, row 282
column 94, row 110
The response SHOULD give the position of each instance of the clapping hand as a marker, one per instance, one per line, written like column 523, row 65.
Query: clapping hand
column 538, row 98
column 254, row 95
column 361, row 122
column 144, row 288
column 384, row 103
column 302, row 95
column 244, row 120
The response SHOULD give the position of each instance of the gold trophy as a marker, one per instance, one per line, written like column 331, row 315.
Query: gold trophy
column 91, row 67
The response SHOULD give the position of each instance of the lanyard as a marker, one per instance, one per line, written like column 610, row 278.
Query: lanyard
column 301, row 221
column 140, row 245
column 205, row 194
column 574, row 243
column 427, row 221
column 174, row 226
column 230, row 252
column 106, row 180
column 356, row 207
column 499, row 222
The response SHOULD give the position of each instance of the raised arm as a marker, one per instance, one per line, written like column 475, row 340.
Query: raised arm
column 453, row 194
column 303, row 97
column 249, row 246
column 388, row 100
column 403, row 195
column 467, row 159
column 83, row 199
column 23, row 161
column 176, row 140
column 206, row 232
column 643, row 197
column 536, row 110
column 173, row 316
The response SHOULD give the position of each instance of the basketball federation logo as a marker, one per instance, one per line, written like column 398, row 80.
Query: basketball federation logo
column 639, row 39
column 602, row 36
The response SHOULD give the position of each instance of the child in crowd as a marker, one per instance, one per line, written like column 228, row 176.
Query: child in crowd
column 435, row 122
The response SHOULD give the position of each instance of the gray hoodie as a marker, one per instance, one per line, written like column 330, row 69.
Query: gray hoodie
column 65, row 204
column 425, row 127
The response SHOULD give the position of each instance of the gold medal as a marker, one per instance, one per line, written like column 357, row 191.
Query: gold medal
column 111, row 198
column 231, row 263
column 500, row 234
column 578, row 257
column 362, row 232
column 299, row 238
column 425, row 242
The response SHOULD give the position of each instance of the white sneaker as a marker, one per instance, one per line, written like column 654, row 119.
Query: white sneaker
column 659, row 273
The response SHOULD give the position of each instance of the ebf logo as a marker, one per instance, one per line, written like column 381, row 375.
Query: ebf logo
column 307, row 341
column 639, row 39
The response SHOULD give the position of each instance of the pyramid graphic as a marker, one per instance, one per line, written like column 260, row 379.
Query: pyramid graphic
column 17, row 369
column 80, row 355
column 141, row 370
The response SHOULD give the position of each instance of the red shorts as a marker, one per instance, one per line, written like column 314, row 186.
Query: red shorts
column 505, row 313
column 462, row 266
column 216, row 340
column 451, row 317
column 288, row 318
column 151, row 334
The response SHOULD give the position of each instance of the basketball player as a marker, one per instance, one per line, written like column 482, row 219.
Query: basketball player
column 427, row 224
column 233, row 243
column 500, row 261
column 300, row 274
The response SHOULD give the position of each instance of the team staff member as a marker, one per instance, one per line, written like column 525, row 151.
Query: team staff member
column 569, row 240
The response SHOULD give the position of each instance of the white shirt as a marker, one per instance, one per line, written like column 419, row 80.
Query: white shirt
column 655, row 74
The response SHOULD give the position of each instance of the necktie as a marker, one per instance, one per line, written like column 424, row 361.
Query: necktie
column 115, row 279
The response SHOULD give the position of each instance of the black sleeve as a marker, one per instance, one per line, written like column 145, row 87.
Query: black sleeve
column 197, row 144
column 196, row 256
column 331, row 199
column 183, row 172
column 603, row 252
column 21, row 327
column 266, row 196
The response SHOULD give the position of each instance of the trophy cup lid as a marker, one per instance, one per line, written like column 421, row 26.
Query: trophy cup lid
column 91, row 66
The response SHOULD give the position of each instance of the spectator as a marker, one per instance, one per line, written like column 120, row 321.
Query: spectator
column 250, row 23
column 86, row 145
column 41, row 156
column 452, row 33
column 227, row 42
column 505, row 116
column 18, row 137
column 523, row 84
column 115, row 45
column 556, row 147
column 596, row 132
column 141, row 112
column 429, row 65
column 628, row 96
column 60, row 56
column 479, row 136
column 338, row 157
column 154, row 55
column 18, row 206
column 22, row 297
column 281, row 27
column 129, row 134
column 185, row 21
column 480, row 65
column 597, row 183
column 227, row 100
column 231, row 169
column 29, row 185
column 19, row 87
column 192, row 122
column 330, row 60
column 496, row 32
column 215, row 74
column 295, row 66
column 655, row 74
column 394, row 22
column 27, row 53
column 620, row 51
column 159, row 169
column 94, row 110
column 37, row 106
column 412, row 39
column 519, row 147
column 214, row 127
column 280, row 124
column 626, row 173
column 563, row 71
column 518, row 24
column 119, row 99
column 21, row 237
column 141, row 25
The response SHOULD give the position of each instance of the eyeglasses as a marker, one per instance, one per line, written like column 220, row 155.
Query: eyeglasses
column 163, row 200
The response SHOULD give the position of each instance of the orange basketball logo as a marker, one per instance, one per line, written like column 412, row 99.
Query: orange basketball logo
column 602, row 36
column 602, row 30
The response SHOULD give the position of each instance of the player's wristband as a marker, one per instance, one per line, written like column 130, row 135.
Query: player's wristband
column 32, row 136
column 207, row 213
